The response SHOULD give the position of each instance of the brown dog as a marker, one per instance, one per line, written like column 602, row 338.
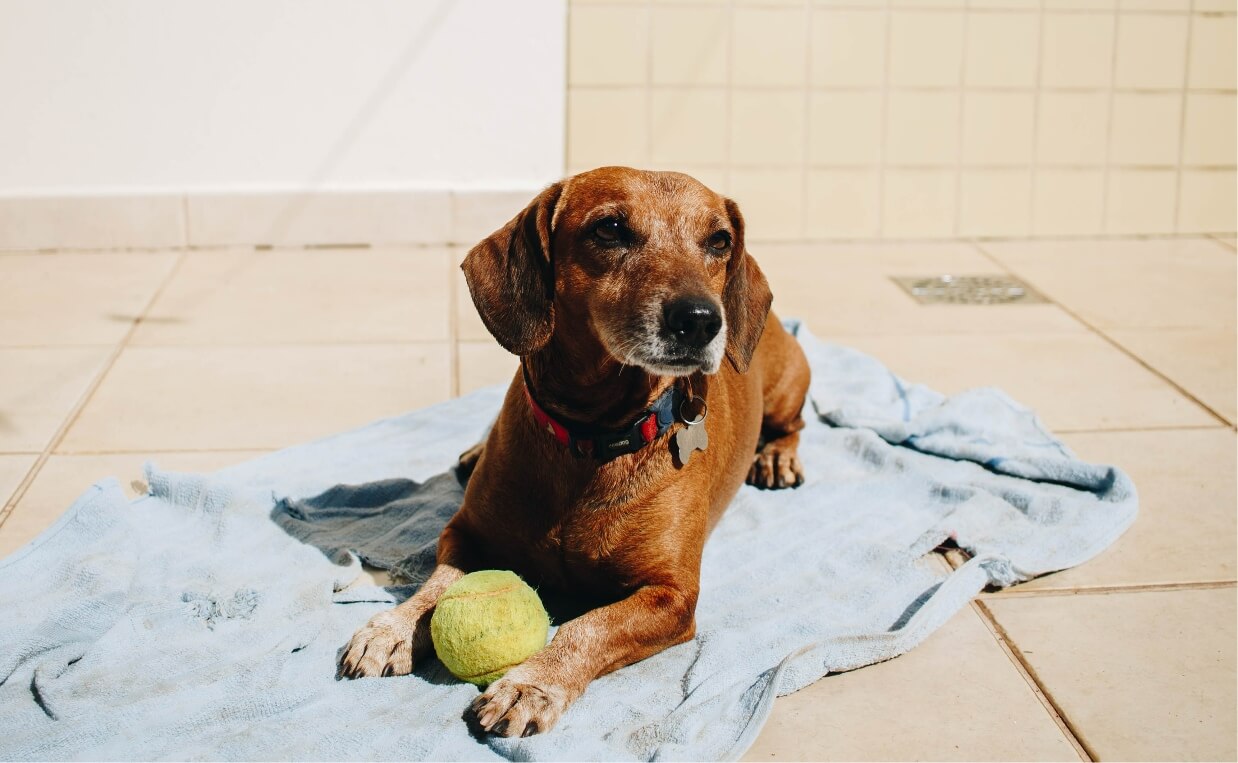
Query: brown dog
column 623, row 292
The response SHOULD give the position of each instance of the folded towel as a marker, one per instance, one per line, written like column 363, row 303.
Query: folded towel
column 204, row 619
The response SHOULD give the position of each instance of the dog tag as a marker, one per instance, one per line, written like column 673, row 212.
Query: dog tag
column 692, row 437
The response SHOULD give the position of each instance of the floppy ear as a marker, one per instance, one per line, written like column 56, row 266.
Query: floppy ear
column 511, row 277
column 746, row 298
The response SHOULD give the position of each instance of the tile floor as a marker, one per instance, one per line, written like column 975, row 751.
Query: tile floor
column 200, row 359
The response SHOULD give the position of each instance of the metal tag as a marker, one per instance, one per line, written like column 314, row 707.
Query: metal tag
column 692, row 437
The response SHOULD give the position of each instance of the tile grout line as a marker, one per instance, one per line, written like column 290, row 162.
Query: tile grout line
column 453, row 327
column 1029, row 675
column 728, row 100
column 806, row 142
column 1103, row 590
column 1112, row 342
column 956, row 558
column 943, row 7
column 71, row 418
column 960, row 135
column 1040, row 239
column 419, row 249
column 1186, row 81
column 1171, row 428
column 844, row 88
column 185, row 229
column 161, row 451
column 1033, row 165
column 1111, row 98
column 205, row 345
column 1223, row 241
column 887, row 32
column 566, row 121
column 648, row 127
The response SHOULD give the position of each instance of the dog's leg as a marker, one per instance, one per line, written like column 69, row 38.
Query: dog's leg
column 390, row 642
column 533, row 695
column 776, row 464
column 468, row 462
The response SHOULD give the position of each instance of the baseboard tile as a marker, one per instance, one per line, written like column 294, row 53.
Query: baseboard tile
column 92, row 222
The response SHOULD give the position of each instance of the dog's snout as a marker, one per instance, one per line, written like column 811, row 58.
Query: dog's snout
column 693, row 321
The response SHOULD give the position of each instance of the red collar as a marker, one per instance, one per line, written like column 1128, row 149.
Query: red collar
column 607, row 444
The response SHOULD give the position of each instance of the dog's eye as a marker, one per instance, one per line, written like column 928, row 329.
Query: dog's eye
column 719, row 242
column 609, row 231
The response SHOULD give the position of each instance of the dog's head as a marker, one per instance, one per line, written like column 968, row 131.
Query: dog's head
column 650, row 264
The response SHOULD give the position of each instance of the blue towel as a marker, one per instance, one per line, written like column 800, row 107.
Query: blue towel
column 204, row 619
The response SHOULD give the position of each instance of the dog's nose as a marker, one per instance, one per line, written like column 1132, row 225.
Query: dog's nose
column 693, row 321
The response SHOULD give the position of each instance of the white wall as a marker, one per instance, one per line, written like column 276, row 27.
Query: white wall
column 166, row 96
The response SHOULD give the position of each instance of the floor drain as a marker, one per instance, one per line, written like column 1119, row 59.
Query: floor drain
column 969, row 290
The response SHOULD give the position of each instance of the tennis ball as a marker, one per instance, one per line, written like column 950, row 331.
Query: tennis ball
column 486, row 623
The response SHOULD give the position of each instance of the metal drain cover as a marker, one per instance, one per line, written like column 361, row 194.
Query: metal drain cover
column 969, row 290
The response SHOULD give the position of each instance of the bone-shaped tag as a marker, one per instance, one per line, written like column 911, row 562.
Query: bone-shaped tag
column 691, row 437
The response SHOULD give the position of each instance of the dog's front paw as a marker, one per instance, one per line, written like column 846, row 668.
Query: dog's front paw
column 775, row 468
column 511, row 707
column 383, row 647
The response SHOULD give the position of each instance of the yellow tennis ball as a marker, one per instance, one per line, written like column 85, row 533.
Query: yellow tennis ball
column 486, row 623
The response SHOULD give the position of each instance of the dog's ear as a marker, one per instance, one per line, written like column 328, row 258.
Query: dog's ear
column 746, row 297
column 511, row 277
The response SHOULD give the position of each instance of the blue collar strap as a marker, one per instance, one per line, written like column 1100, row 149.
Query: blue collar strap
column 605, row 445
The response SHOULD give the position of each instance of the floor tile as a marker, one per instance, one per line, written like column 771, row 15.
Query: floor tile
column 1073, row 381
column 303, row 296
column 205, row 398
column 13, row 469
column 1186, row 525
column 1201, row 361
column 38, row 388
column 1139, row 676
column 844, row 290
column 957, row 696
column 1159, row 283
column 63, row 478
column 76, row 298
column 483, row 364
column 1229, row 241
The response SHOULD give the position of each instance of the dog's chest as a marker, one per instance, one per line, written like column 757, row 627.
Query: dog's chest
column 578, row 526
column 594, row 551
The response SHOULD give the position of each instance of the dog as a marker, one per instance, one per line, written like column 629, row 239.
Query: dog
column 654, row 381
